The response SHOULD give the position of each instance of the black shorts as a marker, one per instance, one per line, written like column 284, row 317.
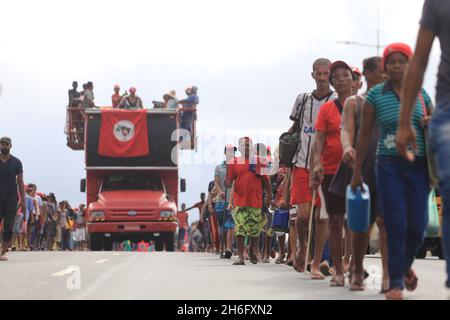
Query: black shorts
column 335, row 204
column 8, row 212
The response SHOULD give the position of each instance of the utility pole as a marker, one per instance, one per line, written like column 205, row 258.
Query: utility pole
column 377, row 46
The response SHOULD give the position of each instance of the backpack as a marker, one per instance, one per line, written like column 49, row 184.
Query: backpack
column 289, row 141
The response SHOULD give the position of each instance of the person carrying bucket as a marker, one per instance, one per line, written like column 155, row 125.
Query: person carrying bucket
column 405, row 183
column 326, row 157
column 374, row 73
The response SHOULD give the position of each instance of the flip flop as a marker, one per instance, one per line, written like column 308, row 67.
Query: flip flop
column 280, row 259
column 394, row 294
column 253, row 258
column 317, row 276
column 239, row 263
column 300, row 269
column 357, row 283
column 325, row 270
column 411, row 281
column 337, row 283
column 228, row 254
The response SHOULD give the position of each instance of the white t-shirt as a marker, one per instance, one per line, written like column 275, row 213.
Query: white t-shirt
column 40, row 204
column 307, row 120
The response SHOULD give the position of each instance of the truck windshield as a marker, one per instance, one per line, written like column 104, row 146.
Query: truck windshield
column 121, row 182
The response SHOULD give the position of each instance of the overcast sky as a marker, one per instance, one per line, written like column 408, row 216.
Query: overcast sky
column 248, row 58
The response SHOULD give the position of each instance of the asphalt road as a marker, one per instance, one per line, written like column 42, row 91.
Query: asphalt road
column 185, row 276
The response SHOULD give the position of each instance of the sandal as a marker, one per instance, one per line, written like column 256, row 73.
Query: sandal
column 357, row 283
column 299, row 267
column 394, row 294
column 337, row 281
column 317, row 275
column 325, row 270
column 280, row 259
column 384, row 287
column 253, row 258
column 411, row 280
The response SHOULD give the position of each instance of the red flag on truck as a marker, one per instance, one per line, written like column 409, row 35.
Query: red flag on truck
column 123, row 134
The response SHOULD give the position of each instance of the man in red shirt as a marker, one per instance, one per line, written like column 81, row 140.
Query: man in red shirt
column 326, row 157
column 248, row 194
column 182, row 217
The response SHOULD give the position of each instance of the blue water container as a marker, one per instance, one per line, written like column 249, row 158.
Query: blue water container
column 358, row 209
column 280, row 221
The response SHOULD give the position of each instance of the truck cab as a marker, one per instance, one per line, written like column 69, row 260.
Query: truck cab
column 132, row 197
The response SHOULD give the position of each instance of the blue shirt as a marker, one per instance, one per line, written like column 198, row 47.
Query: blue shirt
column 8, row 174
column 189, row 102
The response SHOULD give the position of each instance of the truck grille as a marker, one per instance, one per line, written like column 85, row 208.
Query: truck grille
column 139, row 214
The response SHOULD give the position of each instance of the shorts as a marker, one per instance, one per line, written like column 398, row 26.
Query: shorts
column 51, row 229
column 220, row 216
column 267, row 226
column 181, row 234
column 300, row 190
column 79, row 234
column 247, row 221
column 335, row 204
column 18, row 223
column 8, row 214
column 229, row 222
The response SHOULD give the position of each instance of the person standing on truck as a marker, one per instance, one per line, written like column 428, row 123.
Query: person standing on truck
column 188, row 109
column 182, row 218
column 11, row 179
column 74, row 95
column 117, row 97
column 88, row 96
column 132, row 101
column 435, row 23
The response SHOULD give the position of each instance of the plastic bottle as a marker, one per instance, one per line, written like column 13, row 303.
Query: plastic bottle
column 358, row 209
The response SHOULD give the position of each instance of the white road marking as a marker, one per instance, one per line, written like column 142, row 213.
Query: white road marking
column 101, row 261
column 64, row 272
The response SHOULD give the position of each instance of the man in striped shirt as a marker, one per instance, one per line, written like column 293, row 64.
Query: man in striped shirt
column 304, row 115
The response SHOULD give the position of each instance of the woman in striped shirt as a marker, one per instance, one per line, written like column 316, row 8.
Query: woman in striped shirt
column 403, row 184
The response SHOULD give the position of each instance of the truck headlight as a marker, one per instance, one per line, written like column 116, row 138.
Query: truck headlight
column 166, row 214
column 97, row 214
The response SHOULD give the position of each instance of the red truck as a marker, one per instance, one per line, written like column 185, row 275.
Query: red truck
column 132, row 198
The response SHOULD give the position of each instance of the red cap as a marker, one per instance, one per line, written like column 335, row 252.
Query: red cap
column 396, row 47
column 356, row 70
column 132, row 89
column 339, row 64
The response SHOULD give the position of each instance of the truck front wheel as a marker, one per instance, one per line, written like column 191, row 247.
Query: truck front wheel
column 159, row 244
column 96, row 243
column 169, row 242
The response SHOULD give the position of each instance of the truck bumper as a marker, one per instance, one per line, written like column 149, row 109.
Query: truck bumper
column 131, row 227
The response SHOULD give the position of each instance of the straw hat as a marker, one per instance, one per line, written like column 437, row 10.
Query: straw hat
column 172, row 94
